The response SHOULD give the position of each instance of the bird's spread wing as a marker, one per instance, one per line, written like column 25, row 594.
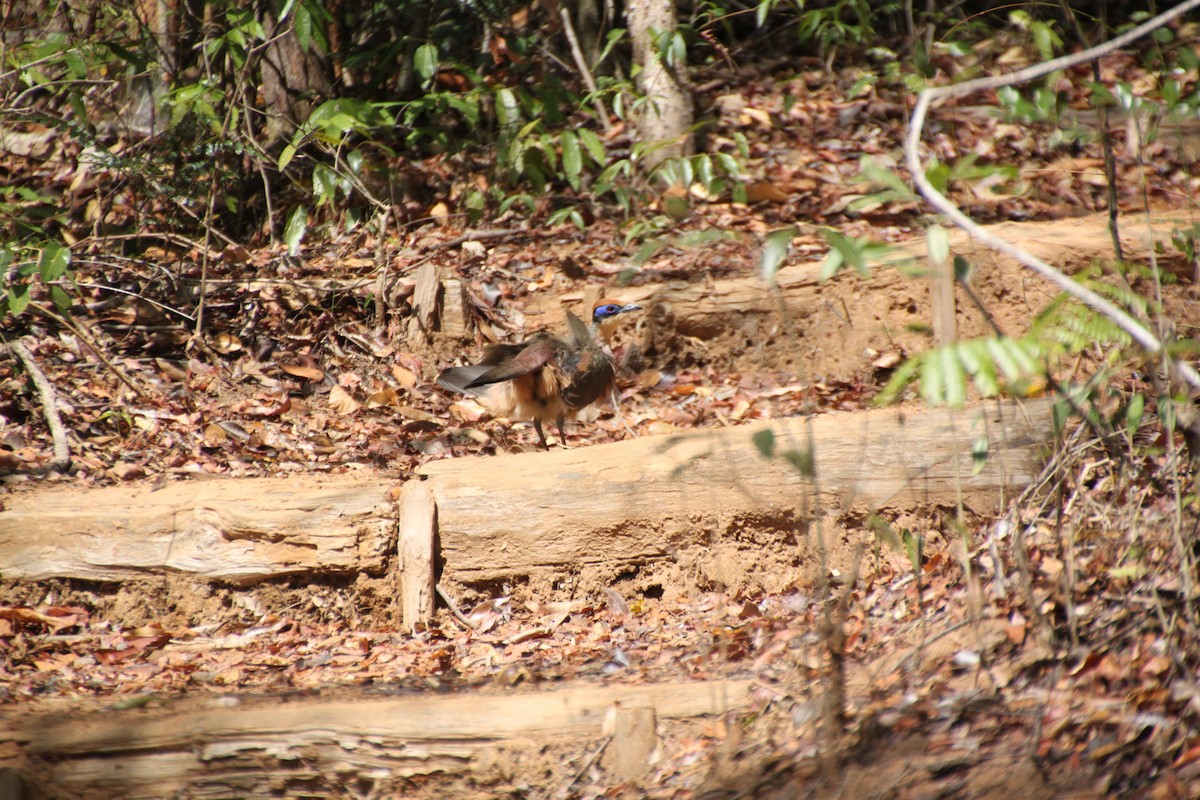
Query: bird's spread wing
column 529, row 359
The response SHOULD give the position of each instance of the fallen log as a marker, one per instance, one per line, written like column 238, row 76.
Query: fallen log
column 259, row 749
column 239, row 531
column 707, row 495
column 665, row 498
column 887, row 312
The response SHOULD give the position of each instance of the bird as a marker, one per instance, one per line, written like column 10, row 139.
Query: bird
column 547, row 377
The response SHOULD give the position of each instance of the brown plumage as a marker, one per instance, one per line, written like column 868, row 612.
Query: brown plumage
column 546, row 378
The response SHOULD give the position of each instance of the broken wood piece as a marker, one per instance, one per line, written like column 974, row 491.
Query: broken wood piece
column 634, row 739
column 240, row 531
column 416, row 551
column 426, row 296
column 456, row 310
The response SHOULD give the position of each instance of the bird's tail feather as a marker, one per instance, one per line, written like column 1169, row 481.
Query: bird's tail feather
column 459, row 379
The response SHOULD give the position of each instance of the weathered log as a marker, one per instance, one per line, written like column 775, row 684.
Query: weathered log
column 887, row 312
column 649, row 499
column 258, row 749
column 631, row 502
column 240, row 531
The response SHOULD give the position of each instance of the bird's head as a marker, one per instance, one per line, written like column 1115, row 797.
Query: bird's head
column 605, row 310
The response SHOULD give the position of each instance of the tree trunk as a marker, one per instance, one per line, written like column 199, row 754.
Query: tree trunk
column 664, row 122
column 294, row 80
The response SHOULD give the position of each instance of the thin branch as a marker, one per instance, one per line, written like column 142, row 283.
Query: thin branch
column 1131, row 326
column 585, row 73
column 126, row 292
column 87, row 340
column 49, row 398
column 450, row 604
column 479, row 236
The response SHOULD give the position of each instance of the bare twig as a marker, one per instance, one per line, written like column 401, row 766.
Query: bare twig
column 87, row 340
column 585, row 73
column 592, row 760
column 116, row 289
column 1138, row 332
column 478, row 236
column 49, row 398
column 166, row 236
column 450, row 604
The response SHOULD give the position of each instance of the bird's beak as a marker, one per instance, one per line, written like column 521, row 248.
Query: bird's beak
column 630, row 307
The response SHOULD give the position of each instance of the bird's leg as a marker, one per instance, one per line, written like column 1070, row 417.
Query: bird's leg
column 562, row 434
column 537, row 426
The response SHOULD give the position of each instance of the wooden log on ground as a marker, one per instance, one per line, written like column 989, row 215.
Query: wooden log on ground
column 240, row 531
column 259, row 749
column 650, row 499
column 850, row 315
column 656, row 499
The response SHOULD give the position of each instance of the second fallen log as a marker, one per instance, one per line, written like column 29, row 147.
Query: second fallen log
column 654, row 498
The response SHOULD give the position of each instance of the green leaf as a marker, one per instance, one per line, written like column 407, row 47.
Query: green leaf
column 704, row 172
column 425, row 61
column 1166, row 412
column 285, row 158
column 899, row 381
column 832, row 264
column 594, row 146
column 984, row 372
column 293, row 232
column 932, row 390
column 728, row 164
column 743, row 148
column 954, row 377
column 62, row 300
column 572, row 158
column 1060, row 412
column 962, row 269
column 914, row 546
column 508, row 110
column 979, row 454
column 18, row 298
column 876, row 173
column 764, row 440
column 53, row 261
column 1134, row 413
column 884, row 532
column 760, row 13
column 304, row 27
column 938, row 176
column 324, row 183
column 775, row 250
column 704, row 236
column 854, row 252
column 648, row 250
